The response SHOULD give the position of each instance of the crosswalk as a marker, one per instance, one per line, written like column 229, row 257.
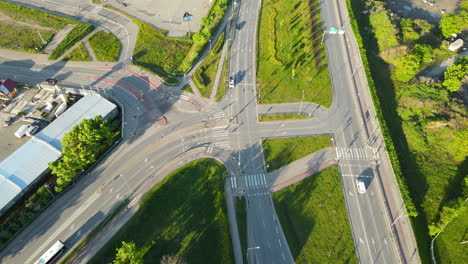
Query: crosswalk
column 351, row 153
column 215, row 113
column 221, row 137
column 249, row 181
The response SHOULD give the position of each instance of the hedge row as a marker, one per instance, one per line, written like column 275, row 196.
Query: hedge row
column 75, row 35
column 17, row 220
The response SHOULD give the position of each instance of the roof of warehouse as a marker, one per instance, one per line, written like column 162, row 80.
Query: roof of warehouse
column 29, row 161
column 86, row 108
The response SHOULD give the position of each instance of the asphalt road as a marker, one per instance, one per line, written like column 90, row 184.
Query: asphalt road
column 229, row 129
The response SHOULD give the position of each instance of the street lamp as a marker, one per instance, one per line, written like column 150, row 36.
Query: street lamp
column 300, row 108
column 403, row 214
column 250, row 249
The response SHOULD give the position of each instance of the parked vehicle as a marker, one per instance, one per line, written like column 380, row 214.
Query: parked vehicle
column 21, row 131
column 8, row 121
column 31, row 130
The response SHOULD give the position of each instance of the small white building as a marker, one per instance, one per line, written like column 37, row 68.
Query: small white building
column 457, row 44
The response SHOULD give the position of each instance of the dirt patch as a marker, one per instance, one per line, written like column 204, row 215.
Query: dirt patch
column 430, row 10
column 7, row 19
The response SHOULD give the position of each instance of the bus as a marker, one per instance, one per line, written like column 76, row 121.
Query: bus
column 52, row 254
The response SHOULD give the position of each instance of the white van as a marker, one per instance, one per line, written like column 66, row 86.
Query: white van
column 361, row 186
column 21, row 131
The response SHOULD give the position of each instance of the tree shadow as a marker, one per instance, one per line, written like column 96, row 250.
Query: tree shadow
column 385, row 93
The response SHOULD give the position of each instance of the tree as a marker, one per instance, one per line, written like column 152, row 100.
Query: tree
column 81, row 146
column 424, row 52
column 451, row 210
column 464, row 5
column 453, row 23
column 128, row 254
column 406, row 68
column 172, row 259
column 455, row 74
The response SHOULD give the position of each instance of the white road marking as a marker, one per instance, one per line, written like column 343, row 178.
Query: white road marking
column 62, row 227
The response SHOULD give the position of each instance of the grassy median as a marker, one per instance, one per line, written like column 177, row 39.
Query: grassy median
column 205, row 75
column 279, row 117
column 313, row 216
column 291, row 60
column 282, row 151
column 106, row 46
column 80, row 53
column 185, row 215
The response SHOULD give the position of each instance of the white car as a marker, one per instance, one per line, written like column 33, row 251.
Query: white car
column 231, row 82
column 361, row 186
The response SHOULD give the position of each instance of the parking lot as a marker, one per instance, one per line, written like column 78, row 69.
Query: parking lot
column 430, row 10
column 24, row 103
column 165, row 14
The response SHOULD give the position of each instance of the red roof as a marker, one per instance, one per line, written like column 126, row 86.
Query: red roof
column 8, row 86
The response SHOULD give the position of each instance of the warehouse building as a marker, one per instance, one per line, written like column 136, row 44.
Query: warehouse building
column 28, row 164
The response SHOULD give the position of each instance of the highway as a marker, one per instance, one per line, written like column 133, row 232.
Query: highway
column 229, row 132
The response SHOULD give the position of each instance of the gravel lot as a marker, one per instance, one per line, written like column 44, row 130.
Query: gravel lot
column 423, row 10
column 166, row 14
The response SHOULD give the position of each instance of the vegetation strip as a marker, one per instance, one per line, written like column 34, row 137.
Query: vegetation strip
column 80, row 53
column 184, row 215
column 106, row 46
column 292, row 65
column 155, row 52
column 419, row 122
column 204, row 77
column 279, row 117
column 282, row 151
column 313, row 216
column 75, row 35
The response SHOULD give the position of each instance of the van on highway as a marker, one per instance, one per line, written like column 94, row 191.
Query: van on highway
column 361, row 186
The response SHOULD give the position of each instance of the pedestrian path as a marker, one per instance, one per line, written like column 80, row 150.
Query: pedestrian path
column 351, row 153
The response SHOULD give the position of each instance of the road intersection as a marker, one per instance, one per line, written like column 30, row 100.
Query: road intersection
column 229, row 132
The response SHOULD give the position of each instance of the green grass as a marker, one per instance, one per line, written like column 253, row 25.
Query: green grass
column 277, row 117
column 385, row 31
column 106, row 46
column 290, row 57
column 282, row 151
column 155, row 52
column 93, row 233
column 28, row 15
column 80, row 53
column 187, row 88
column 447, row 246
column 23, row 38
column 75, row 35
column 205, row 75
column 184, row 215
column 223, row 80
column 210, row 24
column 313, row 216
column 241, row 215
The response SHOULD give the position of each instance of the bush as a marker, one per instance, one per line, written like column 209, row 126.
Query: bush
column 407, row 67
column 77, row 33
